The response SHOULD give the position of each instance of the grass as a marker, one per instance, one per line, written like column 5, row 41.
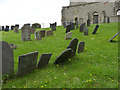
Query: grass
column 96, row 67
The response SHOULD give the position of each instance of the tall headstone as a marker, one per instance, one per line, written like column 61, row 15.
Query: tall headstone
column 44, row 60
column 81, row 47
column 64, row 56
column 7, row 58
column 73, row 45
column 50, row 32
column 82, row 27
column 88, row 22
column 42, row 33
column 37, row 36
column 27, row 63
column 95, row 29
column 85, row 31
column 25, row 33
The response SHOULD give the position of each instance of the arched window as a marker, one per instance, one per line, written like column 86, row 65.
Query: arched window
column 118, row 12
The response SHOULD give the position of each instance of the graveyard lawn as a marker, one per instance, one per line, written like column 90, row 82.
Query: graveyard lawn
column 96, row 67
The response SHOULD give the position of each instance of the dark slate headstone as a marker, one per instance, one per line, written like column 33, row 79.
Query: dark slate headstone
column 50, row 32
column 85, row 31
column 64, row 24
column 3, row 28
column 72, row 26
column 73, row 45
column 81, row 47
column 68, row 28
column 27, row 63
column 113, row 37
column 82, row 27
column 64, row 56
column 12, row 27
column 7, row 58
column 95, row 30
column 42, row 33
column 7, row 28
column 88, row 22
column 44, row 60
column 53, row 26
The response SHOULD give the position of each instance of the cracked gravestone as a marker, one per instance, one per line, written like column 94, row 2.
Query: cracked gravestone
column 27, row 63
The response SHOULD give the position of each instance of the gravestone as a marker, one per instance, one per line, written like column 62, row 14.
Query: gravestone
column 27, row 63
column 88, row 22
column 53, row 26
column 73, row 45
column 7, row 28
column 64, row 24
column 77, row 25
column 25, row 33
column 68, row 28
column 64, row 56
column 12, row 27
column 7, row 58
column 50, row 32
column 32, row 30
column 37, row 36
column 95, row 29
column 16, row 29
column 17, row 25
column 113, row 37
column 3, row 28
column 44, row 60
column 85, row 31
column 55, row 23
column 68, row 35
column 72, row 26
column 42, row 33
column 81, row 47
column 82, row 27
column 36, row 25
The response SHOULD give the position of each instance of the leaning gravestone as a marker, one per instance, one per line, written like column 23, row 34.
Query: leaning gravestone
column 88, row 22
column 42, row 33
column 68, row 28
column 7, row 58
column 113, row 37
column 64, row 56
column 53, row 26
column 44, row 60
column 81, row 47
column 68, row 35
column 50, row 32
column 82, row 27
column 85, row 31
column 25, row 33
column 73, row 45
column 95, row 30
column 27, row 63
column 37, row 36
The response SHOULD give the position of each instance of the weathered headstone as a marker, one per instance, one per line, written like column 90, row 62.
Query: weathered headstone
column 7, row 28
column 85, row 31
column 32, row 30
column 113, row 37
column 64, row 24
column 68, row 35
column 36, row 25
column 88, row 22
column 81, row 47
column 7, row 58
column 82, row 27
column 50, row 32
column 95, row 29
column 64, row 56
column 42, row 33
column 68, row 28
column 25, row 33
column 37, row 36
column 27, row 63
column 53, row 26
column 44, row 60
column 73, row 45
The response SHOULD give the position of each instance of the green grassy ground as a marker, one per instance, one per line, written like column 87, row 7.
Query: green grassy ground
column 96, row 67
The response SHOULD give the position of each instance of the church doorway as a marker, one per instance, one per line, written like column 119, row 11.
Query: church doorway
column 95, row 18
